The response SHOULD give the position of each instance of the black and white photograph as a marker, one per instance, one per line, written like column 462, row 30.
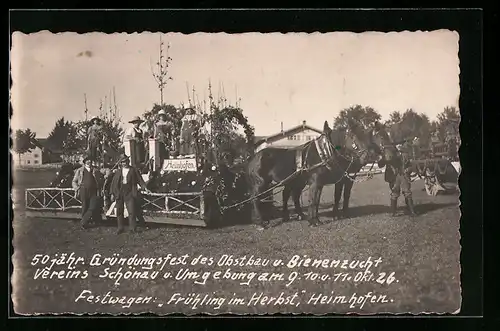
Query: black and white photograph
column 249, row 173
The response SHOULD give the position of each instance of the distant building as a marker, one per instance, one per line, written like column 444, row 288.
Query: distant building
column 39, row 155
column 293, row 137
column 33, row 157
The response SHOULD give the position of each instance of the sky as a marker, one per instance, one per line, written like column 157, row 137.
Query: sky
column 285, row 78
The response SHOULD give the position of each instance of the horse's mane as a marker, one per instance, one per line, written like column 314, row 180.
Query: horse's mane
column 381, row 130
column 338, row 136
column 356, row 128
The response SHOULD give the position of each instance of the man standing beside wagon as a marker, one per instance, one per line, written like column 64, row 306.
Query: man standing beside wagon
column 88, row 183
column 397, row 175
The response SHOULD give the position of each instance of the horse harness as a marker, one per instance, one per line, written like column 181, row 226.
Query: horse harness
column 327, row 153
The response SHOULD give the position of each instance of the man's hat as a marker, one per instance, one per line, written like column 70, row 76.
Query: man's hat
column 136, row 119
column 124, row 158
column 87, row 157
column 94, row 118
column 161, row 112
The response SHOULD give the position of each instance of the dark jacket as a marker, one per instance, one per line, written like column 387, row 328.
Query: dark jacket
column 77, row 181
column 398, row 165
column 133, row 177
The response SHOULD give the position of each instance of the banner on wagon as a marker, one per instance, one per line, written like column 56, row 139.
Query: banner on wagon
column 179, row 165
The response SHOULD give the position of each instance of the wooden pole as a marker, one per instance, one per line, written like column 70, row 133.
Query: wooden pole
column 86, row 109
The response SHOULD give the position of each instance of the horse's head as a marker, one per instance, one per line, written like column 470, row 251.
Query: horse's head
column 381, row 138
column 354, row 141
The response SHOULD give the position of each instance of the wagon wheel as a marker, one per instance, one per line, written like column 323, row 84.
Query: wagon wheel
column 211, row 213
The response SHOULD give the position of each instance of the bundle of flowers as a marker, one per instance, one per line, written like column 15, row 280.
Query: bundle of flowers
column 229, row 185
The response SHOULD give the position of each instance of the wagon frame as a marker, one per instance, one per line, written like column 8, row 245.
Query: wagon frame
column 180, row 208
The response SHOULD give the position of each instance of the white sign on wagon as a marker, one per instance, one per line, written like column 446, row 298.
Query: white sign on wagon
column 179, row 165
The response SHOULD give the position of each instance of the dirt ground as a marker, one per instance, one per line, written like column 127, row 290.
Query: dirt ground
column 422, row 255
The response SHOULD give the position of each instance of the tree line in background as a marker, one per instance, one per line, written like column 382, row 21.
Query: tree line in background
column 405, row 125
column 225, row 137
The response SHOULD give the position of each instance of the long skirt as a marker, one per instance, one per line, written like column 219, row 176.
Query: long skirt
column 137, row 153
column 95, row 150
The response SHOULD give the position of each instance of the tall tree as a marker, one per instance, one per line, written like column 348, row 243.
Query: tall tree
column 23, row 142
column 366, row 115
column 161, row 75
column 59, row 134
column 410, row 126
column 394, row 117
column 448, row 121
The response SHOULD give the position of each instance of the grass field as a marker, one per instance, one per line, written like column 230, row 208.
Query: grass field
column 423, row 253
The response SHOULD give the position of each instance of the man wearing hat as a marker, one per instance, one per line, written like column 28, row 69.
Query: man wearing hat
column 163, row 132
column 94, row 138
column 88, row 183
column 135, row 135
column 125, row 190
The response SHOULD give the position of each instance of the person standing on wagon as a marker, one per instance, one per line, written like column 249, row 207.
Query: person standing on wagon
column 190, row 124
column 125, row 190
column 163, row 131
column 88, row 183
column 135, row 135
column 95, row 138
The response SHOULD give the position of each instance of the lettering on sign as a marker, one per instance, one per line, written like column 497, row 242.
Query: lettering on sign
column 180, row 165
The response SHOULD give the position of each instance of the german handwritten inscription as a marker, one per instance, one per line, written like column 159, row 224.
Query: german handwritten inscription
column 301, row 280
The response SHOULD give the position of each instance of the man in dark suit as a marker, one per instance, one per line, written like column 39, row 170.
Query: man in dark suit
column 126, row 193
column 88, row 182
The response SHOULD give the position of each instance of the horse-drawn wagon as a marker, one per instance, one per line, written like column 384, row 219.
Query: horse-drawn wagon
column 436, row 164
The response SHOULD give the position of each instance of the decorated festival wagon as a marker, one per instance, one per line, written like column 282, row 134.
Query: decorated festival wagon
column 185, row 190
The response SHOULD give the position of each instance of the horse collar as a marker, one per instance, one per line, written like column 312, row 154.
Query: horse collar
column 325, row 152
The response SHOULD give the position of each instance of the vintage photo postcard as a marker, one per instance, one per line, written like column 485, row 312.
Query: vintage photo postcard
column 236, row 173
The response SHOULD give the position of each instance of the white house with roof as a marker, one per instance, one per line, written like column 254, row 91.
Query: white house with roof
column 33, row 157
column 293, row 137
column 40, row 154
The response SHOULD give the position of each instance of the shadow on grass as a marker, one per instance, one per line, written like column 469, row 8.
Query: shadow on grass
column 359, row 211
column 244, row 217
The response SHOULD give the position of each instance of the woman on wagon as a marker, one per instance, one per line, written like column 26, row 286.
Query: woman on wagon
column 134, row 136
column 163, row 132
column 95, row 138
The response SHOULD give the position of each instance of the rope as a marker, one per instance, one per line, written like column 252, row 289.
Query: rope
column 369, row 175
column 280, row 183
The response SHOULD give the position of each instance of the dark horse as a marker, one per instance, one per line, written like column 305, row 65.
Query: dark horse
column 64, row 175
column 345, row 183
column 319, row 162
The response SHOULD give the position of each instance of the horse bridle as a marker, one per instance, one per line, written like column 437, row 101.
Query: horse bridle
column 385, row 146
column 328, row 162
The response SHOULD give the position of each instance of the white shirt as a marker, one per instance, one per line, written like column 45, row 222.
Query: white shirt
column 124, row 174
column 131, row 133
